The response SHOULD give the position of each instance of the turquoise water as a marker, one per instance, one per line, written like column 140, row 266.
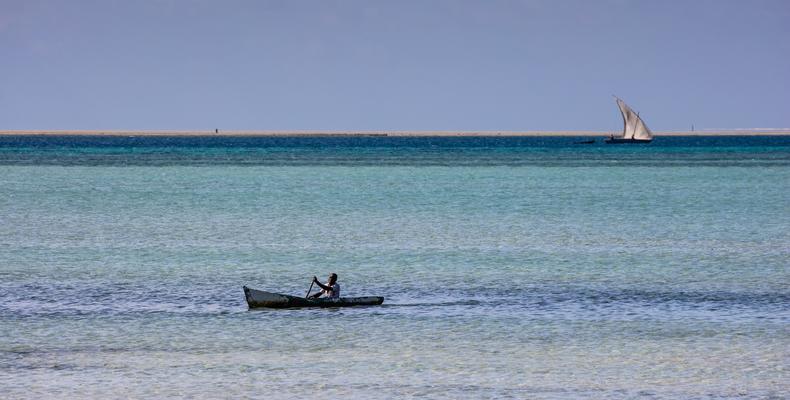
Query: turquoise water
column 511, row 268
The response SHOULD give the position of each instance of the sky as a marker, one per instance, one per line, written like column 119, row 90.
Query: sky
column 393, row 65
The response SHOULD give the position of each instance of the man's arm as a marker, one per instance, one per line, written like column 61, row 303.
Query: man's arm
column 321, row 285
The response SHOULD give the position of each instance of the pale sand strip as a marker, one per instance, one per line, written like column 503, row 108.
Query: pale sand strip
column 732, row 132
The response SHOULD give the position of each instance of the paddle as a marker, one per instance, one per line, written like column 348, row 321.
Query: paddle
column 308, row 290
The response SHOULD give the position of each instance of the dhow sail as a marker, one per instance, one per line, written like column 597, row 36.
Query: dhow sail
column 633, row 126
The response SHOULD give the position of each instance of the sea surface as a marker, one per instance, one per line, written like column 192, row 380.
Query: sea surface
column 523, row 268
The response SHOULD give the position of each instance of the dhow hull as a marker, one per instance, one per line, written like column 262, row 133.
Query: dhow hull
column 627, row 141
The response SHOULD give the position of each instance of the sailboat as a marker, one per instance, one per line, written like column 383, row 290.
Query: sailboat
column 634, row 129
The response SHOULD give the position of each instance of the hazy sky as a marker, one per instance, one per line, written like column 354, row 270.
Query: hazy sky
column 393, row 65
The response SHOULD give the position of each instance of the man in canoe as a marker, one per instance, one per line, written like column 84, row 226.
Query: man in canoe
column 331, row 290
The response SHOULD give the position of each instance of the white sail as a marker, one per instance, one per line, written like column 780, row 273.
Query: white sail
column 633, row 126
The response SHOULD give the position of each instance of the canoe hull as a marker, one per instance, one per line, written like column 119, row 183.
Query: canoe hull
column 262, row 299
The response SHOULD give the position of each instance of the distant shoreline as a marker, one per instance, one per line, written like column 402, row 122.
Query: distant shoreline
column 230, row 133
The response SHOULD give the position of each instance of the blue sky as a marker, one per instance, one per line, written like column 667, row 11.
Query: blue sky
column 393, row 65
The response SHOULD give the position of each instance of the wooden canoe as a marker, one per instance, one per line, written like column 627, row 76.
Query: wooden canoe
column 259, row 298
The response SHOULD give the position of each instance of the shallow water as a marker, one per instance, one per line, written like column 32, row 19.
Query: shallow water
column 511, row 267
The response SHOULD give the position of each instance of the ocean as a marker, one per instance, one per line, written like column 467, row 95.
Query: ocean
column 512, row 267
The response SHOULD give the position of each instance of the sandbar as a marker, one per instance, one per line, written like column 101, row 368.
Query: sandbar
column 394, row 133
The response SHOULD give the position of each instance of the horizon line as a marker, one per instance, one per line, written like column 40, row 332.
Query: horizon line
column 395, row 133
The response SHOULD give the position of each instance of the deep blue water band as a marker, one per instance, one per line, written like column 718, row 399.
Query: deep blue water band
column 745, row 151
